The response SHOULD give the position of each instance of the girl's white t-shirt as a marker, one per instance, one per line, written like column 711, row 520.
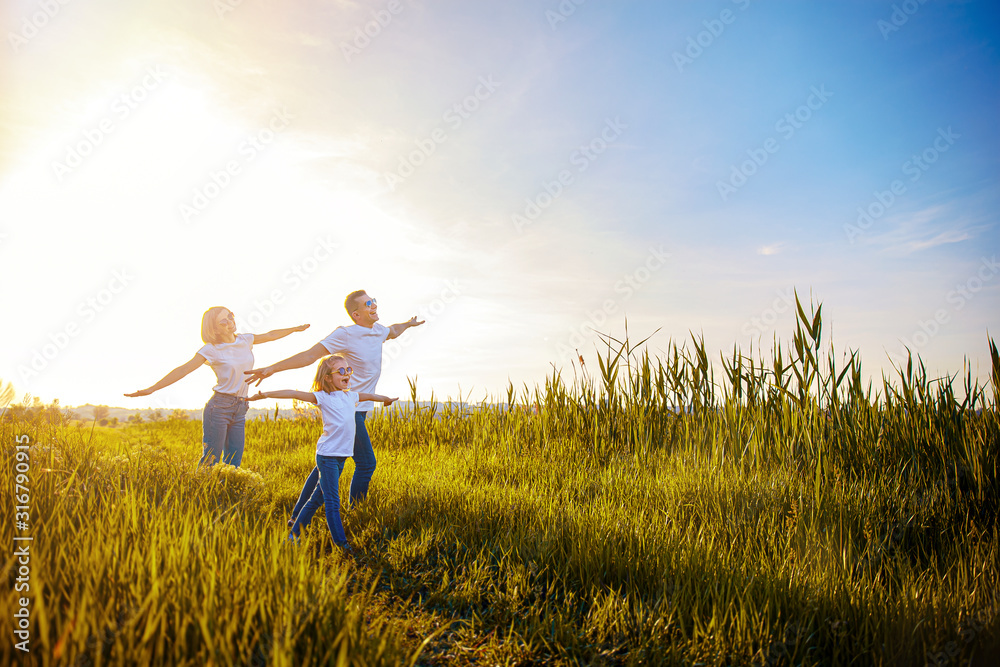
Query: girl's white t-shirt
column 229, row 360
column 338, row 410
column 362, row 347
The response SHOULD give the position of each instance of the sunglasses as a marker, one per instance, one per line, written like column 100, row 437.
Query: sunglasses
column 343, row 370
column 371, row 302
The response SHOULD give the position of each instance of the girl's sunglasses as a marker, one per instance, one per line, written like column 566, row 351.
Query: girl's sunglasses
column 343, row 370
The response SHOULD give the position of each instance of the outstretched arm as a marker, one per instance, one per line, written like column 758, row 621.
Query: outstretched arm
column 276, row 334
column 378, row 398
column 396, row 329
column 171, row 377
column 297, row 361
column 284, row 393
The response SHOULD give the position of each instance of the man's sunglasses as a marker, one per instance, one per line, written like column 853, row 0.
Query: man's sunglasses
column 370, row 302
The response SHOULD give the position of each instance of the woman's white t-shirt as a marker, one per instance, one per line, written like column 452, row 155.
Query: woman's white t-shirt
column 362, row 347
column 229, row 360
column 338, row 410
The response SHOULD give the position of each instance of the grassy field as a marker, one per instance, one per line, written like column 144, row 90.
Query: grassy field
column 790, row 515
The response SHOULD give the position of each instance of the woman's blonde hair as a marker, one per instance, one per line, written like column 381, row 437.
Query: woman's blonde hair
column 209, row 327
column 323, row 372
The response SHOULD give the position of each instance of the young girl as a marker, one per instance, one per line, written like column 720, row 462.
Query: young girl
column 337, row 406
column 230, row 356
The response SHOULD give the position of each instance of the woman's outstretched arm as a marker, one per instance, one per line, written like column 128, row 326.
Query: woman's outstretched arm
column 171, row 377
column 276, row 334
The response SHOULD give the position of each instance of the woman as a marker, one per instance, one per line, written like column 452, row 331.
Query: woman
column 230, row 356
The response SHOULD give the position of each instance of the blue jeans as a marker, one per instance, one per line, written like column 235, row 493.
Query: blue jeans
column 326, row 493
column 223, row 424
column 364, row 467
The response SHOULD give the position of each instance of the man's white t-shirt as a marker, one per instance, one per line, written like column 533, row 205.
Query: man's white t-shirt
column 338, row 410
column 362, row 347
column 229, row 360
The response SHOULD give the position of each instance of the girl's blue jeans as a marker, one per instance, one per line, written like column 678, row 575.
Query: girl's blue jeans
column 364, row 467
column 223, row 424
column 326, row 493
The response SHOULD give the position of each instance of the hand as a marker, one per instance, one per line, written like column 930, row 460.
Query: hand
column 413, row 322
column 141, row 392
column 257, row 397
column 387, row 402
column 258, row 374
column 301, row 327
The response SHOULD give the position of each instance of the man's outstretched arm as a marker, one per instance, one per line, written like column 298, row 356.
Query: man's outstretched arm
column 299, row 360
column 396, row 329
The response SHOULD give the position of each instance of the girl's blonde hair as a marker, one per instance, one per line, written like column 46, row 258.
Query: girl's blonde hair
column 323, row 372
column 209, row 328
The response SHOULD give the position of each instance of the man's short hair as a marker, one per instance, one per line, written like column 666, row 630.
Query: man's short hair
column 349, row 304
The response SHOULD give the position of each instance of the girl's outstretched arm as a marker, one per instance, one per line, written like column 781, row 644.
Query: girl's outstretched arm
column 378, row 398
column 171, row 377
column 284, row 393
column 276, row 334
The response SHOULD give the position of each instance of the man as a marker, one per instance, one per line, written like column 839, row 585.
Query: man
column 361, row 344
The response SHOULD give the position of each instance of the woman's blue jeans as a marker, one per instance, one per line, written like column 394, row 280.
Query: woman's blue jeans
column 223, row 424
column 364, row 467
column 326, row 493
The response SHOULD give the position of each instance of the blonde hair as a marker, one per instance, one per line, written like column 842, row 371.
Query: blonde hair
column 209, row 326
column 349, row 304
column 323, row 371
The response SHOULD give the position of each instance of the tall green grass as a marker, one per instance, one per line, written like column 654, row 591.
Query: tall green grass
column 138, row 557
column 785, row 512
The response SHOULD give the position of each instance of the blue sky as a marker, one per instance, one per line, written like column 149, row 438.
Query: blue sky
column 517, row 178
